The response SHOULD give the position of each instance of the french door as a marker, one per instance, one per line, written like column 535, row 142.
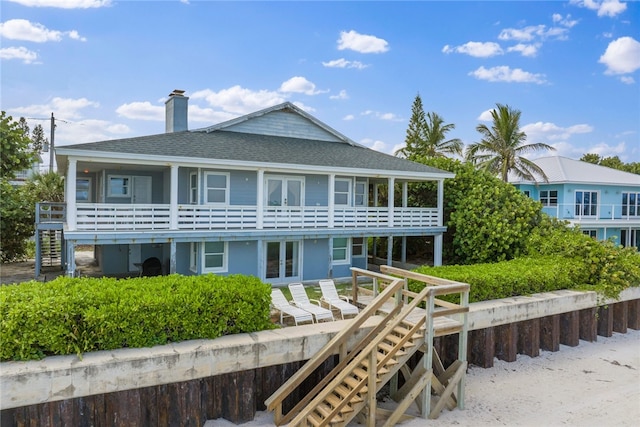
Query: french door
column 282, row 261
column 284, row 191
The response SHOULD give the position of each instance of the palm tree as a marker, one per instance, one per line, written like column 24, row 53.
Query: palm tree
column 426, row 136
column 501, row 149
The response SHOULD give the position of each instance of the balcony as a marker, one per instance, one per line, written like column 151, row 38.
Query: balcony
column 157, row 217
column 604, row 213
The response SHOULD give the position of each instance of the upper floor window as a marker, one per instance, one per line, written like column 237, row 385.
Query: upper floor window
column 193, row 188
column 83, row 189
column 119, row 186
column 630, row 204
column 549, row 197
column 216, row 188
column 361, row 193
column 342, row 192
column 586, row 203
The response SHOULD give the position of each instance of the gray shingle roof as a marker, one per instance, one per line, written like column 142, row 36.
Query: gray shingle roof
column 245, row 147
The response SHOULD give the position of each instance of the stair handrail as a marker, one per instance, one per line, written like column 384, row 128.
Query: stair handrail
column 337, row 345
column 426, row 294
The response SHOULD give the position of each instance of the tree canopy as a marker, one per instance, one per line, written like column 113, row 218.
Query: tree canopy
column 15, row 148
column 503, row 146
column 427, row 135
column 611, row 162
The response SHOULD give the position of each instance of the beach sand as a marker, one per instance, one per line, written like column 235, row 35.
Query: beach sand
column 593, row 384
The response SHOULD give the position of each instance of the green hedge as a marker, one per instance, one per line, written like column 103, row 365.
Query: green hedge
column 521, row 276
column 68, row 316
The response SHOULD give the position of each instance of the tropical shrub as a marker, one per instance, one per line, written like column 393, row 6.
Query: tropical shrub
column 77, row 315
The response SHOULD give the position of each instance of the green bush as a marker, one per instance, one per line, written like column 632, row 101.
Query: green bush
column 71, row 315
column 521, row 276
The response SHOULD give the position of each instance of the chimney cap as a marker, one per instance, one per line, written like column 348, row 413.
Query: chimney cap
column 177, row 92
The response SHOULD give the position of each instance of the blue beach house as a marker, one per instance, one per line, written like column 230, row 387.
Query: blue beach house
column 603, row 202
column 275, row 194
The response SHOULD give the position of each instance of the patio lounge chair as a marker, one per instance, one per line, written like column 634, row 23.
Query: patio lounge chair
column 334, row 301
column 280, row 303
column 301, row 300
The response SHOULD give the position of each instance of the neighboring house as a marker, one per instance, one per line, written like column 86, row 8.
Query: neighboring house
column 604, row 202
column 276, row 194
column 22, row 176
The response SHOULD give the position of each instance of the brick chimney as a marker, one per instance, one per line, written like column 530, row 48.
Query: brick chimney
column 176, row 109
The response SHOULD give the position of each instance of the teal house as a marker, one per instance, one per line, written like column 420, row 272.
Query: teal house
column 603, row 202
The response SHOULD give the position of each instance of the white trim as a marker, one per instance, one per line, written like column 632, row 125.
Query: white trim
column 89, row 189
column 194, row 198
column 349, row 192
column 194, row 248
column 347, row 250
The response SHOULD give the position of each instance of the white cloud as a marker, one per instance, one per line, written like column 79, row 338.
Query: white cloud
column 375, row 145
column 628, row 80
column 343, row 63
column 299, row 84
column 64, row 108
column 361, row 42
column 141, row 111
column 239, row 100
column 609, row 8
column 529, row 50
column 564, row 21
column 505, row 74
column 349, row 117
column 64, row 4
column 476, row 49
column 532, row 32
column 22, row 53
column 551, row 132
column 207, row 115
column 341, row 95
column 382, row 116
column 622, row 56
column 485, row 116
column 21, row 29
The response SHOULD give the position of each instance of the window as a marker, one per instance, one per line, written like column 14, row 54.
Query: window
column 217, row 186
column 630, row 204
column 342, row 192
column 215, row 257
column 586, row 203
column 591, row 233
column 83, row 190
column 341, row 250
column 357, row 247
column 549, row 197
column 361, row 193
column 527, row 193
column 193, row 257
column 119, row 186
column 193, row 188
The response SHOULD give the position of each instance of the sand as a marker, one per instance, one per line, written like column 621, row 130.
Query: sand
column 593, row 384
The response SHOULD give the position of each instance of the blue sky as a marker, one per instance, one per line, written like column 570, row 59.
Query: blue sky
column 105, row 67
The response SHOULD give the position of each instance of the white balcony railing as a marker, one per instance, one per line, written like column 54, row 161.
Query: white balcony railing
column 121, row 217
column 604, row 212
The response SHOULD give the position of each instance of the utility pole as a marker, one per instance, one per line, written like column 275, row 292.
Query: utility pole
column 53, row 132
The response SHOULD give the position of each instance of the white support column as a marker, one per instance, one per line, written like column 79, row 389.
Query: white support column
column 405, row 194
column 173, row 199
column 172, row 257
column 375, row 194
column 437, row 250
column 71, row 194
column 440, row 202
column 331, row 204
column 261, row 260
column 391, row 201
column 71, row 258
column 390, row 250
column 403, row 255
column 260, row 203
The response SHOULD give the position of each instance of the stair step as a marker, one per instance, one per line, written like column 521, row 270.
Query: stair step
column 344, row 392
column 334, row 401
column 389, row 348
column 396, row 340
column 353, row 383
column 314, row 419
column 382, row 370
column 325, row 411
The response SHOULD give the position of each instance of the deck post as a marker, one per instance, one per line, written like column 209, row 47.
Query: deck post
column 173, row 199
column 70, row 195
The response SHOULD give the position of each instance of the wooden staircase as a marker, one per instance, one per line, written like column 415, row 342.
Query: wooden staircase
column 350, row 389
column 51, row 247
